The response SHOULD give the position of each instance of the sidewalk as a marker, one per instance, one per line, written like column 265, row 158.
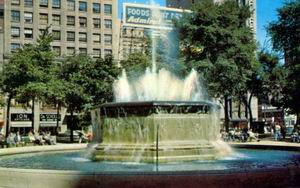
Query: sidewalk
column 267, row 144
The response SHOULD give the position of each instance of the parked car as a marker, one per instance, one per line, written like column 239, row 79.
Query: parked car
column 66, row 136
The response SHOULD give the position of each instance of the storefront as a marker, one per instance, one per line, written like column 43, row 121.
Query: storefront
column 21, row 122
column 47, row 121
column 50, row 122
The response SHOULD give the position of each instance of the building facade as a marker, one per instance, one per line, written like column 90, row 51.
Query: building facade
column 132, row 40
column 78, row 26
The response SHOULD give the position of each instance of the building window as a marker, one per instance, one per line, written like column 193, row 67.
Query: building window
column 57, row 50
column 108, row 24
column 55, row 3
column 82, row 50
column 28, row 3
column 71, row 5
column 56, row 35
column 70, row 50
column 71, row 20
column 107, row 39
column 70, row 36
column 82, row 21
column 82, row 6
column 96, row 38
column 96, row 53
column 96, row 7
column 43, row 3
column 44, row 19
column 15, row 32
column 82, row 37
column 14, row 46
column 55, row 19
column 15, row 16
column 107, row 52
column 97, row 22
column 28, row 17
column 107, row 9
column 28, row 33
column 15, row 2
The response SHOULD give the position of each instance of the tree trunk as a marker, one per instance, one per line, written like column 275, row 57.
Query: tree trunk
column 250, row 111
column 57, row 118
column 8, row 115
column 239, row 110
column 72, row 126
column 246, row 106
column 32, row 109
column 230, row 107
column 226, row 118
column 298, row 119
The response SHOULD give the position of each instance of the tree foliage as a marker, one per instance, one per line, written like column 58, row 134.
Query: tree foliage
column 285, row 37
column 217, row 43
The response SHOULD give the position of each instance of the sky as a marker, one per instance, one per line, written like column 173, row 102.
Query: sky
column 265, row 12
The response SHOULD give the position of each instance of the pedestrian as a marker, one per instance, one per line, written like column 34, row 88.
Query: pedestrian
column 18, row 139
column 277, row 132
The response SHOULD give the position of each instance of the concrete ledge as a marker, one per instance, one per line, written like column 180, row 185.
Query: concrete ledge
column 272, row 145
column 32, row 178
column 45, row 148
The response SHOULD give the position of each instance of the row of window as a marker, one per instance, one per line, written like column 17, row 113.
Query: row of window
column 56, row 20
column 70, row 50
column 71, row 5
column 82, row 36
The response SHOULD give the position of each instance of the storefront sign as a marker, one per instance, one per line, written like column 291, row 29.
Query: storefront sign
column 21, row 117
column 49, row 117
column 137, row 15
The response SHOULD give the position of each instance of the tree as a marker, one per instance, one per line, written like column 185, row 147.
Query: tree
column 100, row 76
column 216, row 42
column 285, row 38
column 88, row 83
column 14, row 75
column 40, row 62
column 136, row 64
column 75, row 96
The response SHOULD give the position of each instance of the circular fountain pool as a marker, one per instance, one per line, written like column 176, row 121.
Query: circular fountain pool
column 74, row 169
column 240, row 160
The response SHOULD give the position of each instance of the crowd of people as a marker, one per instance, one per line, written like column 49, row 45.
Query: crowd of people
column 277, row 132
column 35, row 137
column 240, row 135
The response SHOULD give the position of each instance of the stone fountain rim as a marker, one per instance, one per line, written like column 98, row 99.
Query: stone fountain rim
column 157, row 103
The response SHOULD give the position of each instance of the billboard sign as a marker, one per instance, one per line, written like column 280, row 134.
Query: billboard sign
column 148, row 16
column 21, row 117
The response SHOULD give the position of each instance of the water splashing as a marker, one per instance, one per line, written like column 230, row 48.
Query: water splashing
column 161, row 85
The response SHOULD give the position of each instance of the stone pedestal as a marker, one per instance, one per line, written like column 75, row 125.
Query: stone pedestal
column 156, row 131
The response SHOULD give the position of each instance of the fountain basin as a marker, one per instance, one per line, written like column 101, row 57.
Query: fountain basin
column 156, row 131
column 73, row 170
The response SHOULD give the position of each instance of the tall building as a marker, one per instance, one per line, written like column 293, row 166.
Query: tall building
column 187, row 4
column 132, row 40
column 78, row 26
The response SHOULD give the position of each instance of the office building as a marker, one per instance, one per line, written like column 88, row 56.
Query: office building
column 78, row 26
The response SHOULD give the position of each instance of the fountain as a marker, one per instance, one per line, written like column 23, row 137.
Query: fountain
column 162, row 131
column 158, row 118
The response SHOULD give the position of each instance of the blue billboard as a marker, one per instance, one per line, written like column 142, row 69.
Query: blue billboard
column 147, row 16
